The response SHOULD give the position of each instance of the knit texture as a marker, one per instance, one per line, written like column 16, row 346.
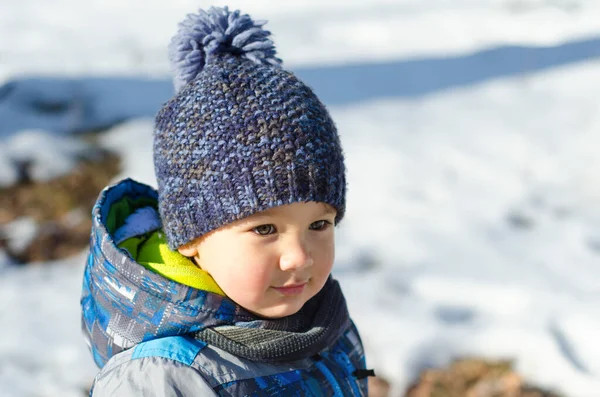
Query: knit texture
column 242, row 136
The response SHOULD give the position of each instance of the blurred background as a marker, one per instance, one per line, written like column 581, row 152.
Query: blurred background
column 472, row 135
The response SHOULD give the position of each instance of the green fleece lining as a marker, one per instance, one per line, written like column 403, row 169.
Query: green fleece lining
column 152, row 251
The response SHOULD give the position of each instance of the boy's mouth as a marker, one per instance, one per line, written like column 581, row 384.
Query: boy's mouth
column 291, row 289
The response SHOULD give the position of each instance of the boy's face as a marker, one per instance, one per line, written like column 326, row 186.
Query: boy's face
column 272, row 262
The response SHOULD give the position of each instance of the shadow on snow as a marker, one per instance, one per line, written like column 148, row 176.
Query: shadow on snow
column 65, row 105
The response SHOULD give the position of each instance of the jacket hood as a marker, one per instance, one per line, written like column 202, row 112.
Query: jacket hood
column 123, row 303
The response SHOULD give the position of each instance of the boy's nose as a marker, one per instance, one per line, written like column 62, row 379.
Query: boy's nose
column 295, row 256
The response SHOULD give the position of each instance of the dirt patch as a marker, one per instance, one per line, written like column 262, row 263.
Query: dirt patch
column 378, row 387
column 61, row 209
column 474, row 378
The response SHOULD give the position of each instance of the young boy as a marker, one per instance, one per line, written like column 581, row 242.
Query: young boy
column 219, row 282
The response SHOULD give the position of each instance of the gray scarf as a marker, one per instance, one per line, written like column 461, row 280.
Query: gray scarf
column 319, row 323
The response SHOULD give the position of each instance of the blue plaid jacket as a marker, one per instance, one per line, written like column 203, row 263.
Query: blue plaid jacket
column 139, row 327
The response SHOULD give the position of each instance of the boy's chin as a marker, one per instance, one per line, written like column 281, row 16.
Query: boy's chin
column 282, row 305
column 279, row 311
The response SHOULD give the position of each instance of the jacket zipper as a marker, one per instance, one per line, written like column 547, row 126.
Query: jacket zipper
column 337, row 391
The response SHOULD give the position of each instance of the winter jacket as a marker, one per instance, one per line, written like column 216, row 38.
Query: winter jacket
column 150, row 335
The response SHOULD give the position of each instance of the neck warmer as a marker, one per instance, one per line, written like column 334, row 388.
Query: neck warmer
column 316, row 326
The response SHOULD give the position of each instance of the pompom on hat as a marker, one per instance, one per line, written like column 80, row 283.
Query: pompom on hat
column 241, row 135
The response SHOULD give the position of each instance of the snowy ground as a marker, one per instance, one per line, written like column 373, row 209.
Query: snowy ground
column 473, row 222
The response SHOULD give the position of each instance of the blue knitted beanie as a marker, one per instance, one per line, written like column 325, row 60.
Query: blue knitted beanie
column 241, row 135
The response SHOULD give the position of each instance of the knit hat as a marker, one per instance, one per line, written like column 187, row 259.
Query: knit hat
column 241, row 135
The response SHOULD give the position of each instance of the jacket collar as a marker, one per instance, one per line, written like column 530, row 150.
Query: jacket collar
column 123, row 303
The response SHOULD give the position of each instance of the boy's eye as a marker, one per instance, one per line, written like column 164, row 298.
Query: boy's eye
column 319, row 225
column 264, row 230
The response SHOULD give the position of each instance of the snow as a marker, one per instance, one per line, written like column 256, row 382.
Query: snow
column 74, row 38
column 43, row 154
column 41, row 351
column 139, row 167
column 21, row 232
column 470, row 132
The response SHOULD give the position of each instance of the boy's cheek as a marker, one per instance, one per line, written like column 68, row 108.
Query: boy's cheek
column 245, row 277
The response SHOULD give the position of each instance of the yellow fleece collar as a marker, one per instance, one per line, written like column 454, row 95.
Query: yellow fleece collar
column 153, row 253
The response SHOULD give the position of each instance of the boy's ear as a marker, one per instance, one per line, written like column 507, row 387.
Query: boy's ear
column 188, row 250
